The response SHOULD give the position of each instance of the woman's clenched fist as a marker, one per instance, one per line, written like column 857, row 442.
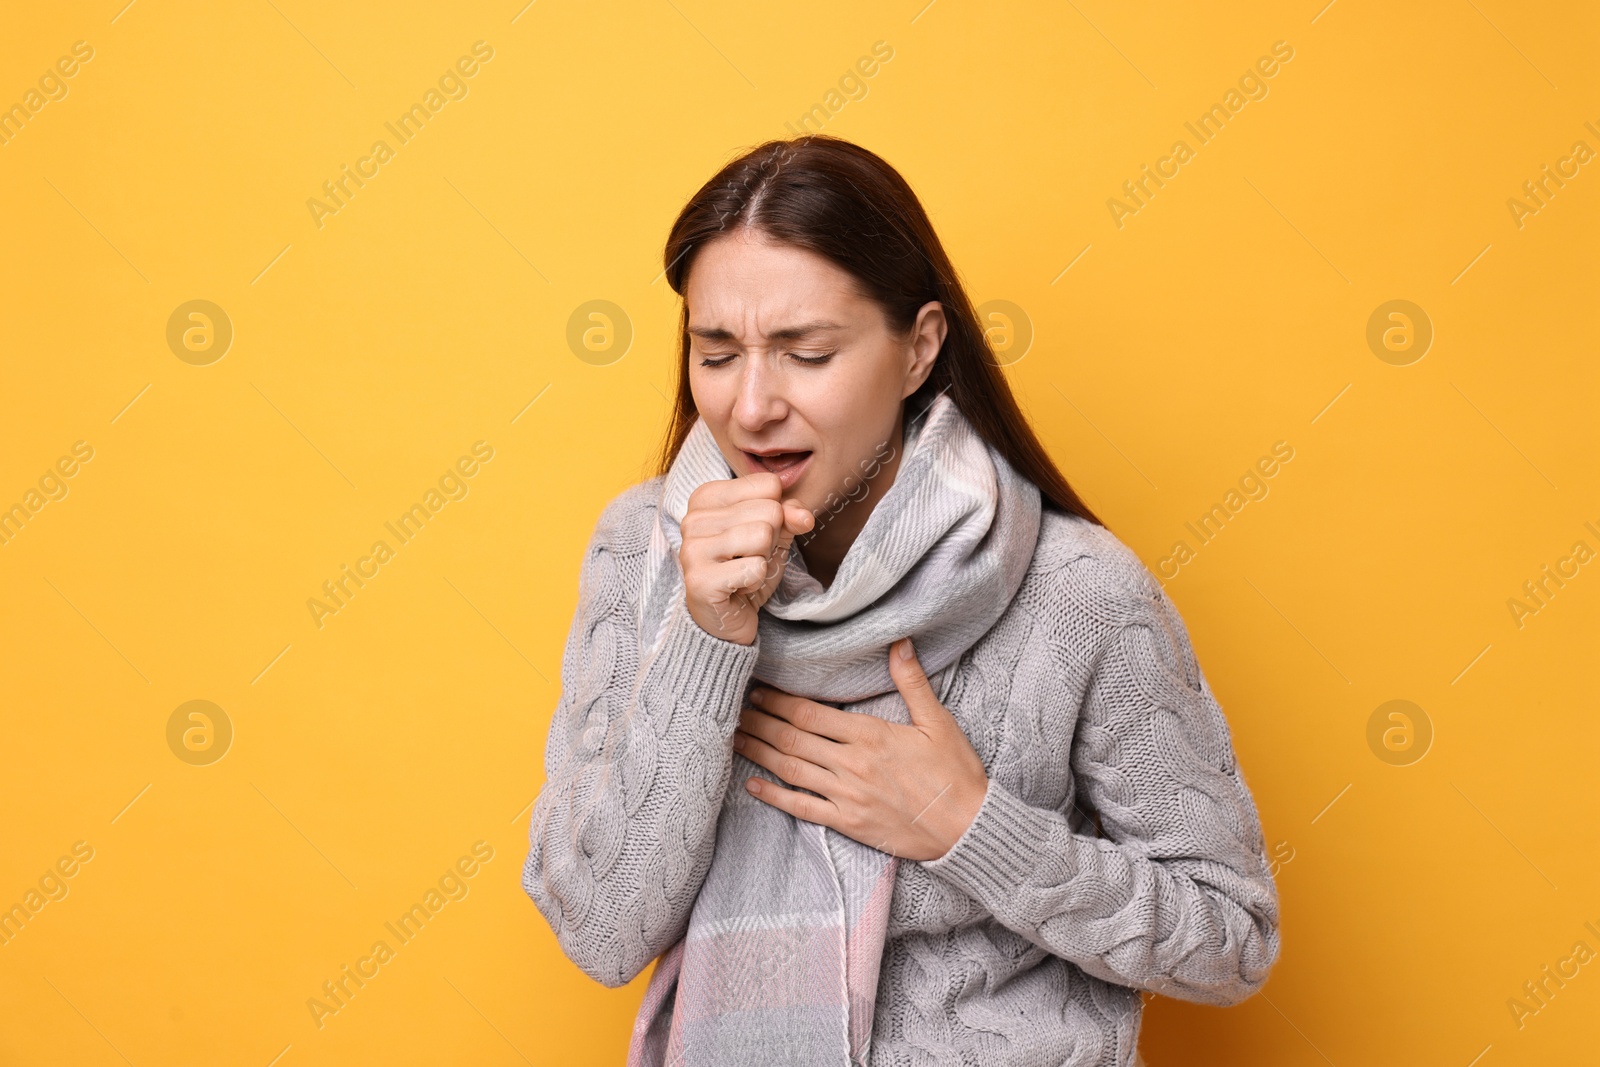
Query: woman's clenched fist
column 737, row 535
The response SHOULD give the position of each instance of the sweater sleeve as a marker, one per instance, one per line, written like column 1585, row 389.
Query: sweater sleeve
column 1177, row 897
column 637, row 762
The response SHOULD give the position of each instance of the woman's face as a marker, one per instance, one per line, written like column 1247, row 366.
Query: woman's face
column 787, row 357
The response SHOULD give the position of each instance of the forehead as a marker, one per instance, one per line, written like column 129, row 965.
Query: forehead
column 749, row 288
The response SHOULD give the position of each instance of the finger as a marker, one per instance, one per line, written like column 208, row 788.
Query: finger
column 801, row 805
column 846, row 727
column 740, row 575
column 797, row 518
column 906, row 670
column 792, row 769
column 788, row 739
column 754, row 538
column 720, row 492
column 709, row 522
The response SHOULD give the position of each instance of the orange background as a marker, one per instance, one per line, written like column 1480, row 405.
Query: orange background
column 373, row 346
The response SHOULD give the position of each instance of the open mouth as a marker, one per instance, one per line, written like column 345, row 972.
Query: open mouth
column 779, row 462
column 788, row 466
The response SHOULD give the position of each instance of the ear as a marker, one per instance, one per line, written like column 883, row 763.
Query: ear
column 927, row 340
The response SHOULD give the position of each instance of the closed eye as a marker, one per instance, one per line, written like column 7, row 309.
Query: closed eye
column 810, row 361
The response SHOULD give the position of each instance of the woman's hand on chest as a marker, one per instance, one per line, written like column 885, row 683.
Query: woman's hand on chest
column 910, row 791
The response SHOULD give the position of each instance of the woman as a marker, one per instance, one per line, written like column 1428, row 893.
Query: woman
column 869, row 729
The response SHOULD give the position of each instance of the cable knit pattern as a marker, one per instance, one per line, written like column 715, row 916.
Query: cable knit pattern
column 1117, row 849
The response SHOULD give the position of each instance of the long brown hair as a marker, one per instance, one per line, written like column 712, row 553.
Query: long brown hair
column 842, row 202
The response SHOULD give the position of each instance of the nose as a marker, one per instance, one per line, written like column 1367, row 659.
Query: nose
column 760, row 399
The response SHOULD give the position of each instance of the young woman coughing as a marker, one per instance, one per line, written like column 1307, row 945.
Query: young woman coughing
column 870, row 732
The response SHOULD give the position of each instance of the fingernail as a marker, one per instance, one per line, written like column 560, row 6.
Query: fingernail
column 906, row 650
column 753, row 784
column 738, row 741
column 757, row 695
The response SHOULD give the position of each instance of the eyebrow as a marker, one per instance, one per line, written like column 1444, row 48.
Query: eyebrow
column 787, row 333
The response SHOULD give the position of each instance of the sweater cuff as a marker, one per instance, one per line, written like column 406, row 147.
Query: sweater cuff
column 702, row 670
column 1001, row 851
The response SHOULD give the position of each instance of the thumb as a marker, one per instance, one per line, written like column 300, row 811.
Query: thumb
column 906, row 670
column 797, row 519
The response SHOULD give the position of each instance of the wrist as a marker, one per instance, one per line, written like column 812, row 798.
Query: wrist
column 960, row 805
column 716, row 624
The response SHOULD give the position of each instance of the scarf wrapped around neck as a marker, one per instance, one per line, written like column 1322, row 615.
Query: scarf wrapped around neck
column 779, row 963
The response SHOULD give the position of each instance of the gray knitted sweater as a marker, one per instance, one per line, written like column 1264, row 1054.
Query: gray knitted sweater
column 1117, row 849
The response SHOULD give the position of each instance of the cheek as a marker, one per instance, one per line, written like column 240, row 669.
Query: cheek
column 854, row 421
column 697, row 384
column 841, row 469
column 712, row 394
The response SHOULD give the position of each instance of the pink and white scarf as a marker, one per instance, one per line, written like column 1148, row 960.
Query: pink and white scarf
column 779, row 964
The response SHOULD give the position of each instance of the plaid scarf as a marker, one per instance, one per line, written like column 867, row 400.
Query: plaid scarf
column 779, row 963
